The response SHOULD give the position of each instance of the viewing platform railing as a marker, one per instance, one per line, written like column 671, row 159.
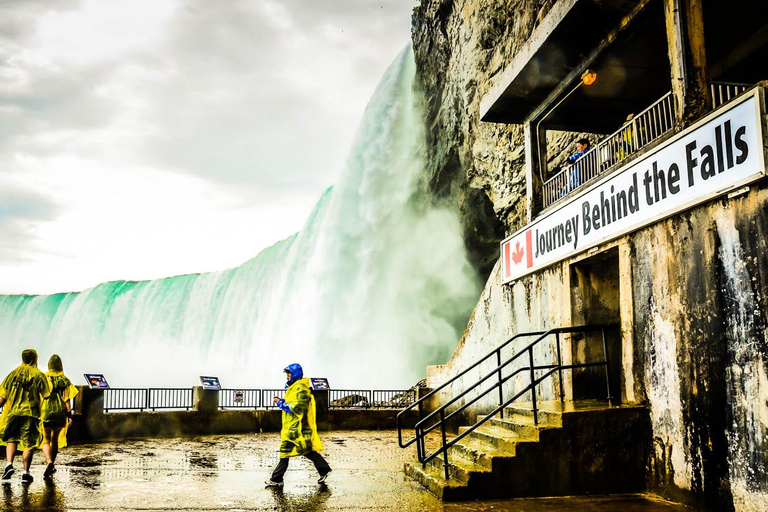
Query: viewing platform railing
column 644, row 128
column 370, row 399
column 152, row 399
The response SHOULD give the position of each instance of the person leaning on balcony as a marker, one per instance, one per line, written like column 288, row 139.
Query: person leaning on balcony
column 582, row 147
column 623, row 140
column 22, row 393
column 56, row 413
column 298, row 435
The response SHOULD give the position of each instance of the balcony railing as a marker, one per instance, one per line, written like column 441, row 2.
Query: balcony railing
column 723, row 92
column 646, row 127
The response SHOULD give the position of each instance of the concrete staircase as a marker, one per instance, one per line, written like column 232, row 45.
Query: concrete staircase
column 581, row 447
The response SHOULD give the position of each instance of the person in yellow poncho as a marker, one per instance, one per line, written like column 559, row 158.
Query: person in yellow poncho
column 57, row 413
column 299, row 433
column 22, row 393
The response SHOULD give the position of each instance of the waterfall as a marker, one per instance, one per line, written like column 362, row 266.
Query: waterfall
column 374, row 287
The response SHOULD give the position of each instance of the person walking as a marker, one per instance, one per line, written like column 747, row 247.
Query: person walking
column 56, row 413
column 22, row 393
column 298, row 435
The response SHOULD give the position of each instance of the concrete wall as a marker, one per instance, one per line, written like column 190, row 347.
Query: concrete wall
column 694, row 349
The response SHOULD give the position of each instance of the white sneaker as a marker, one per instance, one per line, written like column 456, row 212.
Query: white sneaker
column 324, row 477
column 270, row 483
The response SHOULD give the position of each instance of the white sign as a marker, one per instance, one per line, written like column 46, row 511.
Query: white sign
column 717, row 154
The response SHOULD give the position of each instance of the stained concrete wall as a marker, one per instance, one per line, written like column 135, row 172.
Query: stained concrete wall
column 694, row 345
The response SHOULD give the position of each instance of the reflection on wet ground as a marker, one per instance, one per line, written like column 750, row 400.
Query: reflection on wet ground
column 226, row 473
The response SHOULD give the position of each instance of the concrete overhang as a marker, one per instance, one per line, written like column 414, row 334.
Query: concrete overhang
column 569, row 37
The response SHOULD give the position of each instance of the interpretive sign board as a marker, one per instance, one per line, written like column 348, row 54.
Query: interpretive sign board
column 210, row 382
column 718, row 154
column 96, row 381
column 319, row 383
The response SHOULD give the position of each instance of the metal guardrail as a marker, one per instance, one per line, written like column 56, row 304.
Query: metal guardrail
column 137, row 399
column 268, row 395
column 370, row 399
column 723, row 92
column 151, row 399
column 644, row 128
column 240, row 398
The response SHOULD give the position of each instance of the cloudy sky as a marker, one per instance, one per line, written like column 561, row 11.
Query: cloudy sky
column 148, row 138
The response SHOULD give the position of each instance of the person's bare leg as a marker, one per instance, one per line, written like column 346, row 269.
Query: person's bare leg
column 47, row 453
column 26, row 456
column 10, row 452
column 55, row 444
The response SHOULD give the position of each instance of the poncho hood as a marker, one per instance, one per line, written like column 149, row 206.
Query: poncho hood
column 296, row 373
column 55, row 364
column 29, row 357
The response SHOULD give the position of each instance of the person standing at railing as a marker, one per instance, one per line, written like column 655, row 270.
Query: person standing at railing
column 623, row 140
column 298, row 435
column 57, row 413
column 22, row 393
column 582, row 147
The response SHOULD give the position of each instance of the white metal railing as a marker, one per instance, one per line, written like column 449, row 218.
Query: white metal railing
column 723, row 92
column 644, row 128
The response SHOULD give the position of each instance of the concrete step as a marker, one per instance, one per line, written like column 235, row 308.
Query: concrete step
column 496, row 437
column 522, row 427
column 433, row 480
column 460, row 469
column 482, row 455
column 524, row 411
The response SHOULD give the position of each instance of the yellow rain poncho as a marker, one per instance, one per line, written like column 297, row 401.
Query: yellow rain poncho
column 299, row 433
column 54, row 413
column 24, row 388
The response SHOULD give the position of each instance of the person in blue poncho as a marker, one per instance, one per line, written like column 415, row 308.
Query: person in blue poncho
column 298, row 435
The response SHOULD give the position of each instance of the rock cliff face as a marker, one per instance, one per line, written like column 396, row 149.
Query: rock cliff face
column 460, row 46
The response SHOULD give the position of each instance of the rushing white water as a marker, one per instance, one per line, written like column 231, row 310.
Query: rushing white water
column 374, row 287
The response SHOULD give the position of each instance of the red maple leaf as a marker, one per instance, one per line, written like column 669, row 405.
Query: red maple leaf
column 517, row 255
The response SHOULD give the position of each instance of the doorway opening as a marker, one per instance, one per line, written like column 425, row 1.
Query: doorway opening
column 595, row 299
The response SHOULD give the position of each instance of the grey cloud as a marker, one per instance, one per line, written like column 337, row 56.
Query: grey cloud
column 231, row 114
column 223, row 107
column 20, row 209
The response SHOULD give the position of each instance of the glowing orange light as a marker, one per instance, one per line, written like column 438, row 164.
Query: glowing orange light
column 589, row 77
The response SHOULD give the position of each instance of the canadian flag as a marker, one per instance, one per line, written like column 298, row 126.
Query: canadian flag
column 516, row 252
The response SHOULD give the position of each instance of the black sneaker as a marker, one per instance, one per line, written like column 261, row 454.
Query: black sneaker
column 50, row 469
column 324, row 477
column 26, row 478
column 270, row 483
column 9, row 471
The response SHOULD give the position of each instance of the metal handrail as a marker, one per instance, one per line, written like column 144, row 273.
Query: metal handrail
column 644, row 128
column 420, row 401
column 420, row 430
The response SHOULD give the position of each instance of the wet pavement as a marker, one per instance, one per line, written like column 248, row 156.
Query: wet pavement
column 226, row 473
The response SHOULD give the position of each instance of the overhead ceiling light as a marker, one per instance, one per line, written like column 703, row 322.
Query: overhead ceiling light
column 588, row 77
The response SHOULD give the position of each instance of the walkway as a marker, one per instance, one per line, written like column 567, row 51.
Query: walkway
column 226, row 473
